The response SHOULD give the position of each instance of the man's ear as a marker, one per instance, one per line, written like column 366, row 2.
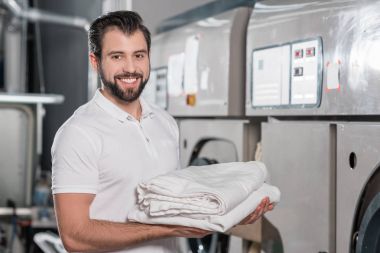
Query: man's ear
column 94, row 61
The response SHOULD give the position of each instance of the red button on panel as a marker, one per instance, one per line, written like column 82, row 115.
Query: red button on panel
column 310, row 52
column 298, row 53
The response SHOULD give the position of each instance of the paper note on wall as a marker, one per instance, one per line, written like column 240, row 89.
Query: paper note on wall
column 191, row 65
column 333, row 75
column 175, row 74
column 204, row 79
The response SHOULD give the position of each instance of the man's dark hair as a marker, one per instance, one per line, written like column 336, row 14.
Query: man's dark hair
column 127, row 21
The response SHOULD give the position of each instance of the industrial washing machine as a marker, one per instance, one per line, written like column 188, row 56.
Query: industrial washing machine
column 313, row 70
column 198, row 58
column 16, row 156
column 21, row 117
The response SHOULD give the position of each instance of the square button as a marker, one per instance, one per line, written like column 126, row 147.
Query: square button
column 298, row 53
column 310, row 52
column 298, row 71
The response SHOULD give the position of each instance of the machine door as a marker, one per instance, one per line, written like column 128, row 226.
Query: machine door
column 206, row 142
column 300, row 158
column 239, row 133
column 16, row 155
column 358, row 187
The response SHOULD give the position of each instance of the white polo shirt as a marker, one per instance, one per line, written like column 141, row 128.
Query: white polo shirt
column 103, row 150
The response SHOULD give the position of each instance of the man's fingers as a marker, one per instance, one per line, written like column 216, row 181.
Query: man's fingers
column 261, row 209
column 265, row 202
column 254, row 217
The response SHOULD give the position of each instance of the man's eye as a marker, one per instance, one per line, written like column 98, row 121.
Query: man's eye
column 116, row 57
column 139, row 56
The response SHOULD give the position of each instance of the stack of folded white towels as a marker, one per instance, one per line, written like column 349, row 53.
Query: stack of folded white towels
column 212, row 197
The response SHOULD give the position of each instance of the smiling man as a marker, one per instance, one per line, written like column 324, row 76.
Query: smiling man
column 111, row 144
column 124, row 68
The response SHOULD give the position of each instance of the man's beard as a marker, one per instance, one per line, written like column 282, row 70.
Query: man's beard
column 127, row 95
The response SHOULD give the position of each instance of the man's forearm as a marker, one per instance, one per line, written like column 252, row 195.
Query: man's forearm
column 99, row 236
column 80, row 233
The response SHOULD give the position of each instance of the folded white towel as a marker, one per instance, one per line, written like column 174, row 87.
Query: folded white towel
column 219, row 223
column 210, row 189
column 211, row 197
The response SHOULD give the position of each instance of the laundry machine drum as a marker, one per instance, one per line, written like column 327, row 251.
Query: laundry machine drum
column 369, row 232
column 366, row 237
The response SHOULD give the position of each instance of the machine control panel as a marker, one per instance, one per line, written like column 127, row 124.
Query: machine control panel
column 288, row 75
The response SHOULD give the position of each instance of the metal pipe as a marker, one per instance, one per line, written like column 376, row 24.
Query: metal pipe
column 36, row 15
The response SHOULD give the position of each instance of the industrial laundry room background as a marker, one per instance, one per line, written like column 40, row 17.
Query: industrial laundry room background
column 293, row 80
column 311, row 92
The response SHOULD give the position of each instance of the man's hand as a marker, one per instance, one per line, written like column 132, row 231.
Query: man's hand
column 264, row 206
column 191, row 232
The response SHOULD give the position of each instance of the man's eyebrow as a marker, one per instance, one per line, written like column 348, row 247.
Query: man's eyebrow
column 115, row 52
column 135, row 52
column 141, row 51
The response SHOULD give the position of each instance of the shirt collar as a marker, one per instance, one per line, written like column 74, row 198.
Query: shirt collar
column 147, row 110
column 117, row 112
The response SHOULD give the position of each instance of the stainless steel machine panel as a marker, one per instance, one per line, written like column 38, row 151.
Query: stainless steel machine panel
column 348, row 34
column 300, row 158
column 16, row 154
column 361, row 140
column 205, row 63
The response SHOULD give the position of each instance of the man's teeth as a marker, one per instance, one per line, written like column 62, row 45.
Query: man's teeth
column 128, row 80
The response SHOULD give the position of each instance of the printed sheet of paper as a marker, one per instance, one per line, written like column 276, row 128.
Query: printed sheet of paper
column 191, row 63
column 175, row 74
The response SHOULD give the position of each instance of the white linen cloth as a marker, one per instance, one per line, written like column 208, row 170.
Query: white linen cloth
column 213, row 197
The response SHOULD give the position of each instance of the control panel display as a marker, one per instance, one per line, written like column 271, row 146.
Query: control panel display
column 271, row 76
column 289, row 75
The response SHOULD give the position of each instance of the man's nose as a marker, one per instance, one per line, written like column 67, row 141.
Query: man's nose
column 129, row 65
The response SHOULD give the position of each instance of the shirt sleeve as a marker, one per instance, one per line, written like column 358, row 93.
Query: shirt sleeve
column 74, row 162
